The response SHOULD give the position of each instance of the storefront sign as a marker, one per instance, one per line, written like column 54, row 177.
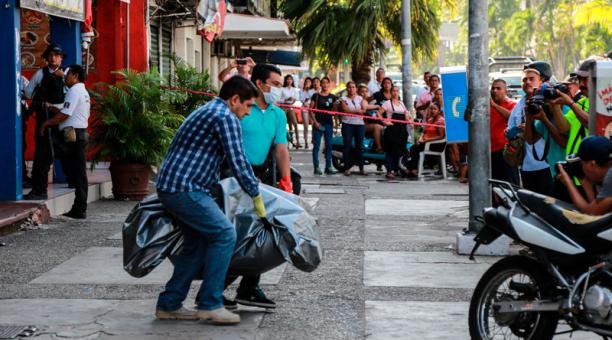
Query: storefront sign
column 454, row 93
column 34, row 39
column 602, row 110
column 69, row 9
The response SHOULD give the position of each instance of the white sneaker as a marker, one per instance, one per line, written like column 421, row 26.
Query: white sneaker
column 219, row 316
column 179, row 314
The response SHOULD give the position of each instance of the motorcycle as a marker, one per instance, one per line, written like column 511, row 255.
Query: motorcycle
column 369, row 155
column 565, row 273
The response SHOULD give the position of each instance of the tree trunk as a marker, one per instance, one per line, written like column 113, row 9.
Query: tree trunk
column 360, row 73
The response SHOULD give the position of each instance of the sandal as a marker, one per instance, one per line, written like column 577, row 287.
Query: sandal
column 363, row 173
column 347, row 172
column 390, row 175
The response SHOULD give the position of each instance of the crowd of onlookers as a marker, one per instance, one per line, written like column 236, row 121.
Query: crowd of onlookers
column 529, row 137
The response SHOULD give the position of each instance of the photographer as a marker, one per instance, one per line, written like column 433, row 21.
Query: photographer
column 535, row 171
column 595, row 157
column 243, row 68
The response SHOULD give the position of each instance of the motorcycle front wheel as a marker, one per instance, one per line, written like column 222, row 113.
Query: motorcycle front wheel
column 511, row 279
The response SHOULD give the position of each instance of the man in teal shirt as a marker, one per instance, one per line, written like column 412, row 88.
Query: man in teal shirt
column 265, row 127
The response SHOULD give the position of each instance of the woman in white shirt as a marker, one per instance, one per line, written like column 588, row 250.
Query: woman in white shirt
column 289, row 95
column 305, row 98
column 353, row 128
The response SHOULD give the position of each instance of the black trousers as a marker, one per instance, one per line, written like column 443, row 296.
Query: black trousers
column 500, row 170
column 539, row 181
column 74, row 164
column 43, row 158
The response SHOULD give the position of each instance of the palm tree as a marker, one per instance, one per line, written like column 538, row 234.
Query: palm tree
column 331, row 31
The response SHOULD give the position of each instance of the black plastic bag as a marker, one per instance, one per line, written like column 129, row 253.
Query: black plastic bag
column 289, row 233
column 149, row 236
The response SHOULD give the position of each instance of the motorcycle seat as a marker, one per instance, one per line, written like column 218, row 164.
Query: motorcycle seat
column 565, row 217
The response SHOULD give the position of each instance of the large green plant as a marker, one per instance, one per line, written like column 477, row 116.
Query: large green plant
column 187, row 77
column 135, row 124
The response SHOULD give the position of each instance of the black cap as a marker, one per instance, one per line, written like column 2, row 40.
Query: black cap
column 584, row 68
column 543, row 67
column 595, row 148
column 55, row 49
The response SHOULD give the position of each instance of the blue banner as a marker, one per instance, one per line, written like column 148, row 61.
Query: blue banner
column 455, row 96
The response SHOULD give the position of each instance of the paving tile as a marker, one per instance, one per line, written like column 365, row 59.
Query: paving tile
column 398, row 207
column 426, row 320
column 94, row 266
column 124, row 319
column 422, row 269
column 411, row 231
column 324, row 191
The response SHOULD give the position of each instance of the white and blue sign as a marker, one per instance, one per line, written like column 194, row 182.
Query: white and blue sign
column 455, row 96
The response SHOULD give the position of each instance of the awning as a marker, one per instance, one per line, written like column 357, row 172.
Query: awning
column 250, row 27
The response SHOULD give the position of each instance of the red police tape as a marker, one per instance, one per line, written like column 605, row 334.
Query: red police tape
column 334, row 113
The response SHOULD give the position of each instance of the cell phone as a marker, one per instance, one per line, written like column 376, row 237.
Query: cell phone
column 241, row 61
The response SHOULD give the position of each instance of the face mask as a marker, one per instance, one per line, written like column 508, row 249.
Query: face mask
column 273, row 96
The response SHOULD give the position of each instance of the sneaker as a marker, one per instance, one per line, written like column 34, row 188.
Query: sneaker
column 219, row 316
column 330, row 171
column 32, row 196
column 255, row 298
column 179, row 314
column 347, row 172
column 79, row 215
column 317, row 171
column 229, row 304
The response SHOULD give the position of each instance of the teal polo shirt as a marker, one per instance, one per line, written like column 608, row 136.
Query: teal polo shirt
column 260, row 130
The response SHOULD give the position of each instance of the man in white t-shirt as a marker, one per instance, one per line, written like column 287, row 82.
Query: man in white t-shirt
column 72, row 121
column 374, row 84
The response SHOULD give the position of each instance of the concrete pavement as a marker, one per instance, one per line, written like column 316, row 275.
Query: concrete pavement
column 389, row 271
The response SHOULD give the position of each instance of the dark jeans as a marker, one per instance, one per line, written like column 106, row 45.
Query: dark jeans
column 539, row 181
column 415, row 153
column 208, row 244
column 327, row 131
column 74, row 164
column 392, row 162
column 500, row 170
column 43, row 158
column 352, row 132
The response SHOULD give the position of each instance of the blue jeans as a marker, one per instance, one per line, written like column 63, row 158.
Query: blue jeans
column 208, row 244
column 327, row 131
column 350, row 132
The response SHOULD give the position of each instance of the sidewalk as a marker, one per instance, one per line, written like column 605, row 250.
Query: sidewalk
column 389, row 271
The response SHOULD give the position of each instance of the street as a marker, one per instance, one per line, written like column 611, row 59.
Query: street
column 389, row 271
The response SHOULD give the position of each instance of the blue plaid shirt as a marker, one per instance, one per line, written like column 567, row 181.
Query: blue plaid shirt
column 194, row 158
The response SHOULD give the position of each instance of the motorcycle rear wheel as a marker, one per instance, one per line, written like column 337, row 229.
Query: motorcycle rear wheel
column 494, row 286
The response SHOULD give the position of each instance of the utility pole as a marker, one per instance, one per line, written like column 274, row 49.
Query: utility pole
column 406, row 55
column 478, row 110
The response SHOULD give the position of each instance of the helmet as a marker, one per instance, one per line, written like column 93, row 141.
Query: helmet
column 543, row 67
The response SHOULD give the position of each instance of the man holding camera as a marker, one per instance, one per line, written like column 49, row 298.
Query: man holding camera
column 242, row 68
column 544, row 120
column 535, row 171
column 595, row 157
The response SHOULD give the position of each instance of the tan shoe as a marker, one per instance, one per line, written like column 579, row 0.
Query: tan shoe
column 179, row 314
column 220, row 316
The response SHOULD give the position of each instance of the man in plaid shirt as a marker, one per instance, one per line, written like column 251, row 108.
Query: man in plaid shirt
column 191, row 167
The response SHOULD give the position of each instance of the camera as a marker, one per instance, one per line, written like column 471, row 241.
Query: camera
column 241, row 61
column 550, row 92
column 534, row 104
column 572, row 166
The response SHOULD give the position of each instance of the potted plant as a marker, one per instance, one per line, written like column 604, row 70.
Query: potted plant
column 133, row 130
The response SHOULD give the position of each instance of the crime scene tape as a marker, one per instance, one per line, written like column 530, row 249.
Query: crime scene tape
column 334, row 113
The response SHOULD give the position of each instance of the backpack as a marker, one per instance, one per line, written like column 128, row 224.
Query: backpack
column 514, row 150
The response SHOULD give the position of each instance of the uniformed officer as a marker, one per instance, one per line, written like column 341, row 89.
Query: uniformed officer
column 46, row 89
column 71, row 122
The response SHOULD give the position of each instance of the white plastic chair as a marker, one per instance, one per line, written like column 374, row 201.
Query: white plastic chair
column 428, row 152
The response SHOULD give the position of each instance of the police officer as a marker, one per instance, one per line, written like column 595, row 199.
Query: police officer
column 71, row 122
column 46, row 88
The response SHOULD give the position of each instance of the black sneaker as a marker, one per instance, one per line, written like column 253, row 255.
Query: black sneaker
column 255, row 298
column 330, row 171
column 79, row 215
column 32, row 196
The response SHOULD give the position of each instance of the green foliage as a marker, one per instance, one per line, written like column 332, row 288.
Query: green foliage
column 134, row 124
column 187, row 77
column 332, row 31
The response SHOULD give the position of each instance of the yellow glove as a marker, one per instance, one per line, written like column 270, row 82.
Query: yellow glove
column 258, row 204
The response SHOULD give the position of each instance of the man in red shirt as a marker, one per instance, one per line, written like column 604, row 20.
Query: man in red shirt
column 501, row 107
